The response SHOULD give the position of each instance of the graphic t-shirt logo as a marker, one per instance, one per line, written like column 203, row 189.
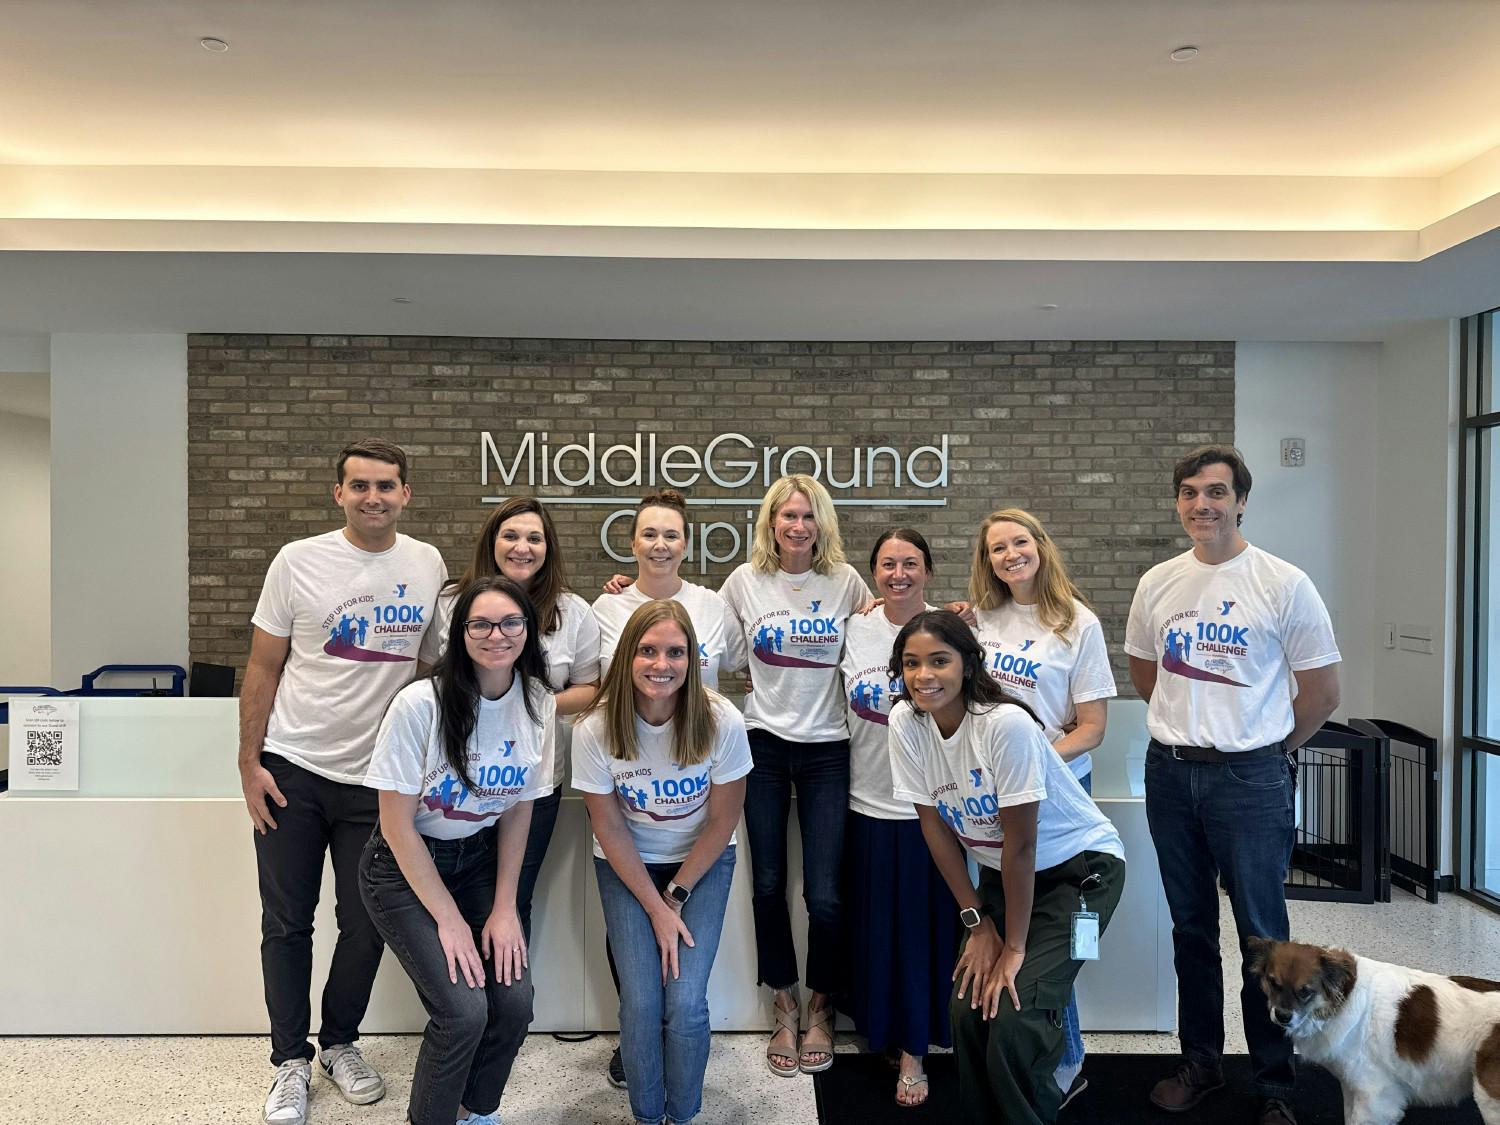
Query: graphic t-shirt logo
column 494, row 784
column 1203, row 650
column 388, row 630
column 785, row 639
column 866, row 696
column 675, row 798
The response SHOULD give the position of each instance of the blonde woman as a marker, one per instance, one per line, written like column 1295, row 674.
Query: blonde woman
column 1043, row 643
column 662, row 762
column 792, row 601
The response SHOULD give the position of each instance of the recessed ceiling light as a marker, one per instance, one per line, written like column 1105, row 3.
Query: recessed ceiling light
column 1182, row 54
column 1047, row 308
column 401, row 300
column 212, row 44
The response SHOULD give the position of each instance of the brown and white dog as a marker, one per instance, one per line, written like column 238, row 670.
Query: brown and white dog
column 1392, row 1036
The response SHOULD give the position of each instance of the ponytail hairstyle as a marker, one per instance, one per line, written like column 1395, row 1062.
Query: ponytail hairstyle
column 693, row 722
column 1056, row 594
column 979, row 690
column 455, row 681
column 548, row 584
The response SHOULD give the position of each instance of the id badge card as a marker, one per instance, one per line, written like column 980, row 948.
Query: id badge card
column 1085, row 936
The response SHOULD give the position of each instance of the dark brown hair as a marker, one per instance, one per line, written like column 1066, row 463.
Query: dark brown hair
column 376, row 449
column 547, row 585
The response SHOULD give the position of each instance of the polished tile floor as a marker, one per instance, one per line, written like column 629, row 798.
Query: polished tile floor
column 224, row 1079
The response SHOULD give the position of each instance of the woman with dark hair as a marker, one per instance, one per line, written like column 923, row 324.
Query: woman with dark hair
column 519, row 541
column 658, row 539
column 901, row 921
column 983, row 777
column 459, row 759
column 793, row 600
column 661, row 762
column 1044, row 644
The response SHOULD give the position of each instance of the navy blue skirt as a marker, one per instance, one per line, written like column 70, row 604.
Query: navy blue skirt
column 902, row 936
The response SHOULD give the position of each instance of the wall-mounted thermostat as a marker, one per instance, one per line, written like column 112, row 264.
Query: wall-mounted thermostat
column 1292, row 453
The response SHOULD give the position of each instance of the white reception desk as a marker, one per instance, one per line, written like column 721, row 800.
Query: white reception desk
column 131, row 907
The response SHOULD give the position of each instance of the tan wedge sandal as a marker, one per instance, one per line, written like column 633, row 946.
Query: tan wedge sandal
column 785, row 1021
column 817, row 1020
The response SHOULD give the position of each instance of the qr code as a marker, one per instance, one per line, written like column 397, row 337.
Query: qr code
column 44, row 747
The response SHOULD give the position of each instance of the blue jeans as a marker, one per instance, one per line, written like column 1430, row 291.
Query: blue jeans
column 472, row 1034
column 664, row 1029
column 1229, row 822
column 820, row 771
column 1073, row 1052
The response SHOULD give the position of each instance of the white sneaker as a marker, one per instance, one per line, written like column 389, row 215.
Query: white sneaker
column 478, row 1119
column 347, row 1069
column 287, row 1103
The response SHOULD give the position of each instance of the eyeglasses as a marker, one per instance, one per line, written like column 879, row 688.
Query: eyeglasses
column 479, row 628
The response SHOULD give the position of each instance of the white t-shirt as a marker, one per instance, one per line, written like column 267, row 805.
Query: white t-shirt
column 359, row 623
column 1047, row 672
column 793, row 626
column 509, row 759
column 996, row 759
column 572, row 655
column 721, row 645
column 665, row 805
column 1226, row 639
column 869, row 694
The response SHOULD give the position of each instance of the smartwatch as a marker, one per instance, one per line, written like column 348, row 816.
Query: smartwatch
column 679, row 895
column 971, row 916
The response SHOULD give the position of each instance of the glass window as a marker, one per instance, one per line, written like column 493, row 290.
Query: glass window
column 1486, row 585
column 1486, row 823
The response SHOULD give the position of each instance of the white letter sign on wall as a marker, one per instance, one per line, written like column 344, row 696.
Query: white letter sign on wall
column 637, row 467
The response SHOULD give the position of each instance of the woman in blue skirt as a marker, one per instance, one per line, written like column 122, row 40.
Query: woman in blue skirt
column 902, row 920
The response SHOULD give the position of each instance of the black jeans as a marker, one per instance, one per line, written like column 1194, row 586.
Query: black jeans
column 320, row 816
column 543, row 821
column 820, row 772
column 472, row 1034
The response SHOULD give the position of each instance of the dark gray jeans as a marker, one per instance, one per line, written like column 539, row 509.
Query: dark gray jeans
column 472, row 1034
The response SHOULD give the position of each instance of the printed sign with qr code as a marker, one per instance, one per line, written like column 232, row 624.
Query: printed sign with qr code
column 44, row 747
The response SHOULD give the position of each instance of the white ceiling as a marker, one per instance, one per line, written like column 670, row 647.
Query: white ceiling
column 655, row 298
column 1390, row 88
column 822, row 169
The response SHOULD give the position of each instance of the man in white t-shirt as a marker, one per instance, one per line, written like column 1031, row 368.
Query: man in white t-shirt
column 341, row 626
column 1234, row 653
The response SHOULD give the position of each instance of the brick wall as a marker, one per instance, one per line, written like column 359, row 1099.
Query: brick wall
column 1083, row 433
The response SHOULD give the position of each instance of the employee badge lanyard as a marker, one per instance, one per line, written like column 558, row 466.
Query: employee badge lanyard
column 1085, row 934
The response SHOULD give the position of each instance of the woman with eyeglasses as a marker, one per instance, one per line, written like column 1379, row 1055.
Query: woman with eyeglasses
column 661, row 762
column 519, row 541
column 987, row 783
column 1045, row 646
column 459, row 759
column 793, row 600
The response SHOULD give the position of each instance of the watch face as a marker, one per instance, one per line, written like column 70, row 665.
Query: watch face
column 679, row 893
column 969, row 917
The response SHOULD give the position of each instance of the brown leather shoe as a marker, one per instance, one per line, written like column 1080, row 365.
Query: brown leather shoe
column 1190, row 1085
column 1274, row 1111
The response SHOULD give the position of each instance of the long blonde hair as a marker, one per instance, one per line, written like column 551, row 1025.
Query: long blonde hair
column 1056, row 594
column 693, row 722
column 828, row 549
